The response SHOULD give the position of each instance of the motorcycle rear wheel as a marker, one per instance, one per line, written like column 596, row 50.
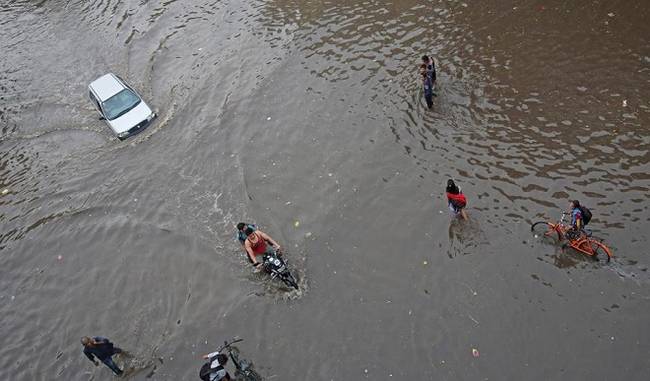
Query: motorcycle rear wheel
column 290, row 281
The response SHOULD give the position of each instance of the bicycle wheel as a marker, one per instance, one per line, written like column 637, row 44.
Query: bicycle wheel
column 247, row 375
column 601, row 251
column 545, row 230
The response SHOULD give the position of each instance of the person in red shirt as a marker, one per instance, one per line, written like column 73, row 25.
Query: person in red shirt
column 258, row 243
column 456, row 199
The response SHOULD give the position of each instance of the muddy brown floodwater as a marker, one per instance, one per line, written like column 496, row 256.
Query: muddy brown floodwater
column 308, row 119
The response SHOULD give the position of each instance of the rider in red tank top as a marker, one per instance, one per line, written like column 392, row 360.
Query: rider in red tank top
column 256, row 244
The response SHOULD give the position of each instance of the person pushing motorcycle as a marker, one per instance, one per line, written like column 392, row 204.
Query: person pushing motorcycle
column 258, row 243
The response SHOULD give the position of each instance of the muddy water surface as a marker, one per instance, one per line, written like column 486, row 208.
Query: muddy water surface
column 307, row 118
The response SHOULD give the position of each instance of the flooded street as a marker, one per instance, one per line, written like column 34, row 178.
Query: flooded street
column 307, row 118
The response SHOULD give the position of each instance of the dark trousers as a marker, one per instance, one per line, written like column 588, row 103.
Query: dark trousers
column 429, row 98
column 428, row 95
column 108, row 361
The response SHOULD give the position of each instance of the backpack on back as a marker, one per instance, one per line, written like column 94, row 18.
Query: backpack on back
column 586, row 214
column 204, row 373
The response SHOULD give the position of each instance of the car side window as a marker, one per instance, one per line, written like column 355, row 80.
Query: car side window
column 92, row 98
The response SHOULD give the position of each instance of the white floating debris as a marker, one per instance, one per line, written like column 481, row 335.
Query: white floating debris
column 5, row 191
column 624, row 102
column 268, row 118
column 611, row 14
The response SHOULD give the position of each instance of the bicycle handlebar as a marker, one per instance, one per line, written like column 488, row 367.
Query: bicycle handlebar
column 227, row 344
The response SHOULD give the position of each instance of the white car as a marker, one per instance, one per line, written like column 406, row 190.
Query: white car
column 119, row 105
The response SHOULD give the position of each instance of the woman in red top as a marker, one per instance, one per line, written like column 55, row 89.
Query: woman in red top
column 456, row 199
column 257, row 243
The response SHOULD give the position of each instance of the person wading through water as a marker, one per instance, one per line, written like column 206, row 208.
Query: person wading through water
column 428, row 73
column 456, row 199
column 258, row 243
column 103, row 349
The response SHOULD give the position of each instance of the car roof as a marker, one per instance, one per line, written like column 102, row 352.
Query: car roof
column 106, row 86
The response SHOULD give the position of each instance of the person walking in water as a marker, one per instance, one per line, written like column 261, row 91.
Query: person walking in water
column 258, row 243
column 428, row 73
column 456, row 199
column 103, row 349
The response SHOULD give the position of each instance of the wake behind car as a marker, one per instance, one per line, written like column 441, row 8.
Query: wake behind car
column 119, row 105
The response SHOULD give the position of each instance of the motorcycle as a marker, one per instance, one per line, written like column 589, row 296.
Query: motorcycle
column 277, row 266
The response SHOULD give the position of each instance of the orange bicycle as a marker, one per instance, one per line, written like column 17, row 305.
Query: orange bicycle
column 579, row 241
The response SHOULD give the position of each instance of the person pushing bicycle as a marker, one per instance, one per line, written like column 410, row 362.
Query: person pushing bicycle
column 214, row 369
column 578, row 220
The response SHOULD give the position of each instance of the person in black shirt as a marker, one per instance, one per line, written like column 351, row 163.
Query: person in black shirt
column 103, row 349
column 428, row 73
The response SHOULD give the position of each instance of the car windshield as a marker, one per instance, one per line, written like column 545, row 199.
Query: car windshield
column 120, row 103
